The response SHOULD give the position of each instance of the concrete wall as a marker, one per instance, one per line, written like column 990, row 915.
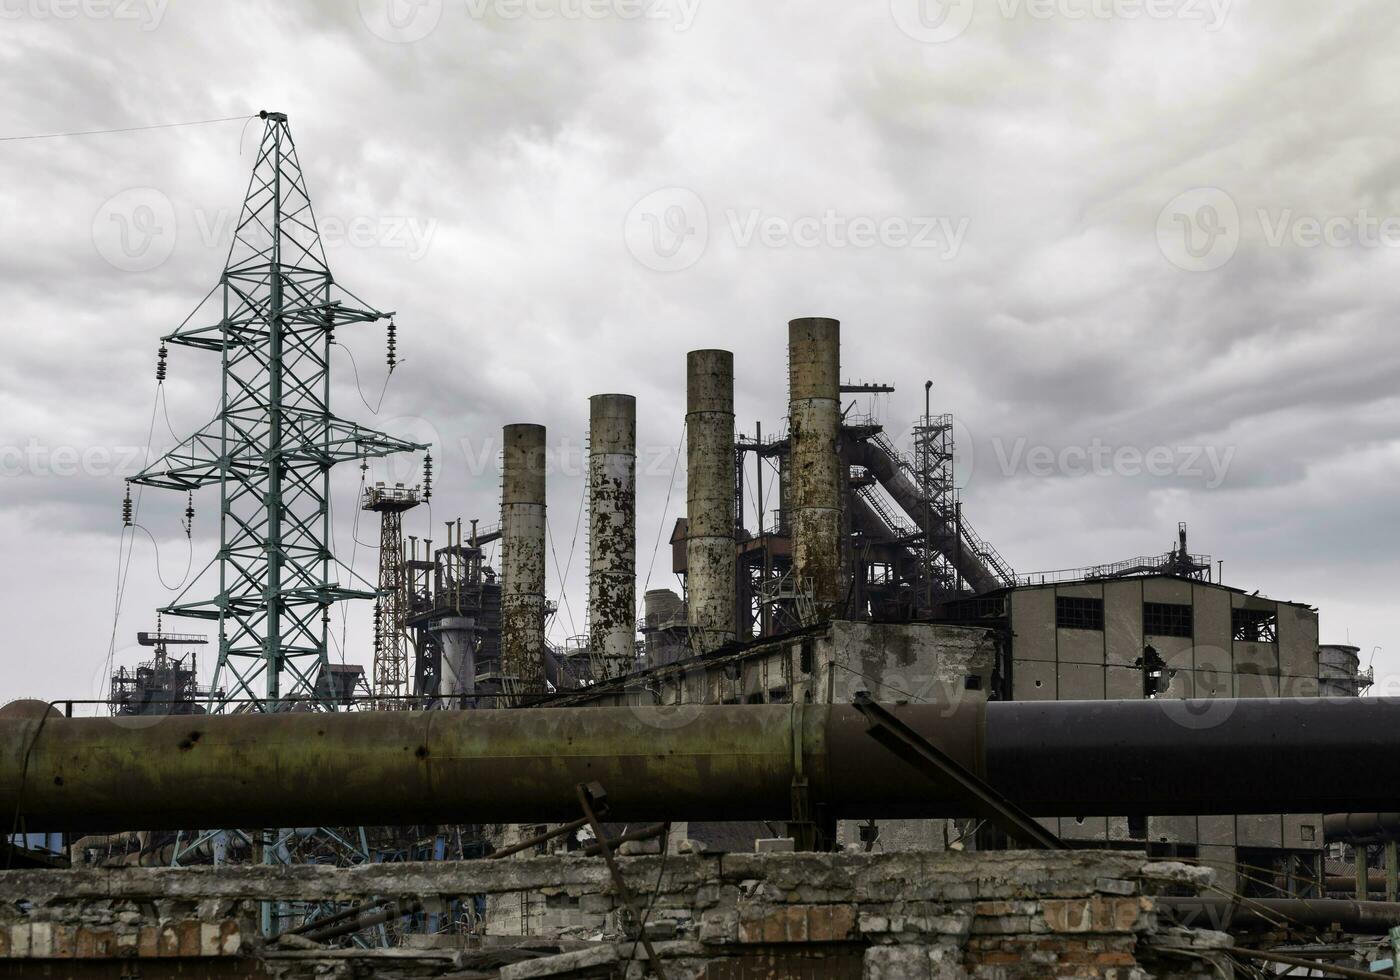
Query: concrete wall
column 1008, row 916
column 893, row 661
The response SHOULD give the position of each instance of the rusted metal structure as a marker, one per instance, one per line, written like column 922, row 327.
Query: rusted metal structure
column 709, row 544
column 390, row 672
column 814, row 417
column 522, row 559
column 727, row 762
column 612, row 534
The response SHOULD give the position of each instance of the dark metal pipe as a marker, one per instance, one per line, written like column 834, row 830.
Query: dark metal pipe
column 1361, row 828
column 1370, row 918
column 730, row 762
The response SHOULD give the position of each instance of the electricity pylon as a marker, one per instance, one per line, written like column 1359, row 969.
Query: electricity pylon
column 274, row 440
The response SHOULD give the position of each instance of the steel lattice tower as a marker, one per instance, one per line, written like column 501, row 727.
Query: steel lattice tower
column 272, row 444
column 390, row 674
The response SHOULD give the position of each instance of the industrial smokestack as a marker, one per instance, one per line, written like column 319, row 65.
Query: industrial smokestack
column 522, row 559
column 814, row 414
column 612, row 534
column 709, row 460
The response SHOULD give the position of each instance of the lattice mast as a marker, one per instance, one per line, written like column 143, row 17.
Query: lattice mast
column 933, row 462
column 389, row 678
column 274, row 440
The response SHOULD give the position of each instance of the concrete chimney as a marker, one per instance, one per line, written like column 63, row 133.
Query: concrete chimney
column 709, row 546
column 814, row 414
column 612, row 534
column 522, row 558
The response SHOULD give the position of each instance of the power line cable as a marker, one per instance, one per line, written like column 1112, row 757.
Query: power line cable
column 665, row 511
column 124, row 129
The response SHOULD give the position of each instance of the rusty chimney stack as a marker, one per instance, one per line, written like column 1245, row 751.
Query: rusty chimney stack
column 612, row 534
column 522, row 558
column 814, row 413
column 709, row 546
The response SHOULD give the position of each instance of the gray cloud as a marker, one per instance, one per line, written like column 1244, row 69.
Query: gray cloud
column 524, row 143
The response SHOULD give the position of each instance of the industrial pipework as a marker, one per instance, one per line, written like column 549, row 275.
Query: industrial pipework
column 723, row 762
column 612, row 534
column 814, row 419
column 522, row 558
column 709, row 462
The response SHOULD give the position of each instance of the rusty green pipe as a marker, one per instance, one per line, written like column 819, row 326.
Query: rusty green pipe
column 1066, row 758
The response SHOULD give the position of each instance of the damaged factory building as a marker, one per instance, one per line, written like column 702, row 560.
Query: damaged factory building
column 853, row 742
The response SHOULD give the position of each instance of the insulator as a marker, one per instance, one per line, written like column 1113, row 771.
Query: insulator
column 428, row 477
column 160, row 362
column 393, row 345
column 189, row 512
column 126, row 508
column 330, row 330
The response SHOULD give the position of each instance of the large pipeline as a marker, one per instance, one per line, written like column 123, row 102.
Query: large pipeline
column 732, row 762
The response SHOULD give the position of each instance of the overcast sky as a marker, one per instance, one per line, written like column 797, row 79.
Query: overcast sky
column 1145, row 249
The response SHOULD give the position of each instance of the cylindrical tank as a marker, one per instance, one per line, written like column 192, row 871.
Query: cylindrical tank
column 1339, row 670
column 612, row 533
column 522, row 558
column 457, row 636
column 814, row 418
column 663, row 611
column 709, row 546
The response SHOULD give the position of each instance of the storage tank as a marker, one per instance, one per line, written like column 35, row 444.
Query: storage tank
column 1339, row 670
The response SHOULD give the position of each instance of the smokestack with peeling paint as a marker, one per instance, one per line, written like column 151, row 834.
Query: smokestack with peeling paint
column 612, row 533
column 709, row 460
column 522, row 558
column 814, row 413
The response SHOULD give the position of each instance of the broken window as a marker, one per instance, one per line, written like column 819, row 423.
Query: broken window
column 1254, row 625
column 1167, row 619
column 1074, row 613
